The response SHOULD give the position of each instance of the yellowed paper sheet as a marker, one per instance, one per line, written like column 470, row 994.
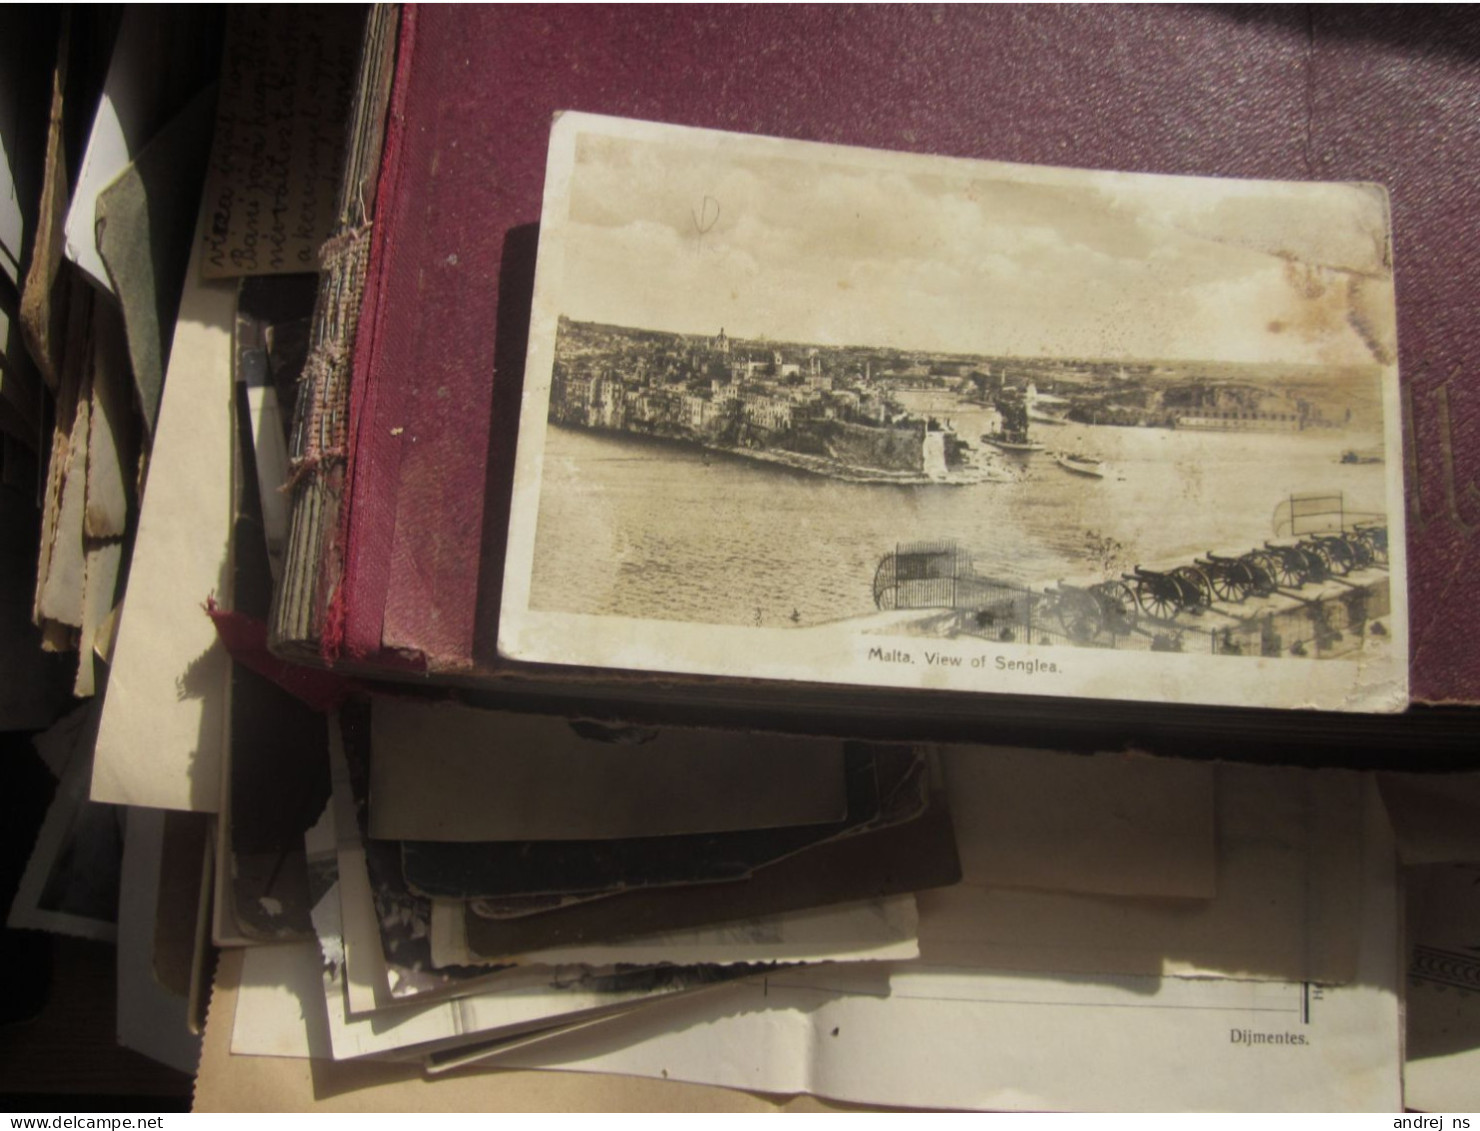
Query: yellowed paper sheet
column 929, row 1035
column 228, row 1082
column 286, row 84
column 1436, row 816
column 109, row 474
column 151, row 1018
column 1286, row 908
column 1135, row 1044
column 1111, row 824
column 445, row 772
column 41, row 318
column 73, row 355
column 60, row 594
column 104, row 557
column 109, row 471
column 280, row 1002
column 163, row 715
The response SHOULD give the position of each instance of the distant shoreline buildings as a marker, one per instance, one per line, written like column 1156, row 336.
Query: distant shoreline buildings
column 754, row 400
column 834, row 409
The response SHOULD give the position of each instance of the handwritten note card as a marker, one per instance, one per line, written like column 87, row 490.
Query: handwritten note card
column 286, row 84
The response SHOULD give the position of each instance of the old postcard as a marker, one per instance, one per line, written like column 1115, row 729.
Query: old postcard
column 803, row 412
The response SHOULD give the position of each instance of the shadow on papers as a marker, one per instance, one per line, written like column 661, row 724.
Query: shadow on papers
column 511, row 340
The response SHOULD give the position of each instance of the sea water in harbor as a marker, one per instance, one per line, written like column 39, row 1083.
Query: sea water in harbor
column 655, row 530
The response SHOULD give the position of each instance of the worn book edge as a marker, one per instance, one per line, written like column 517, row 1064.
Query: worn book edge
column 321, row 433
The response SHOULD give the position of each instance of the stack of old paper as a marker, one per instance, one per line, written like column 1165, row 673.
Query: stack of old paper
column 105, row 120
column 490, row 876
column 33, row 685
column 117, row 390
column 612, row 917
column 1129, row 933
column 106, row 257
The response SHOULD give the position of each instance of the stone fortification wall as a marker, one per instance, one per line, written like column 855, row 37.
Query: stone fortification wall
column 887, row 449
column 1332, row 625
column 849, row 445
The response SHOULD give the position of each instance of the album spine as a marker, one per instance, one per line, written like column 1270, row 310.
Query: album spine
column 300, row 623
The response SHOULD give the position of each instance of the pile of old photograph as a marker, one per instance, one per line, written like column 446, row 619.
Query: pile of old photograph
column 787, row 915
column 796, row 420
column 806, row 447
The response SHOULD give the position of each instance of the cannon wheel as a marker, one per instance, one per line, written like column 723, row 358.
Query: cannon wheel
column 1322, row 562
column 1228, row 582
column 1375, row 538
column 1261, row 573
column 1079, row 614
column 1157, row 597
column 1118, row 606
column 1197, row 583
column 1270, row 564
column 1287, row 570
column 1360, row 550
column 1338, row 555
column 1317, row 564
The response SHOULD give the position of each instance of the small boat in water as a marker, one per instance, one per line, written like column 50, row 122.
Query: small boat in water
column 1080, row 464
column 1009, row 442
column 1011, row 434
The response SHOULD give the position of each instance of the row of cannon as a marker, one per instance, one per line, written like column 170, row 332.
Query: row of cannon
column 1115, row 606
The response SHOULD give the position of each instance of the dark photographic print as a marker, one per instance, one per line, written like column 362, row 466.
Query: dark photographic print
column 70, row 885
column 807, row 412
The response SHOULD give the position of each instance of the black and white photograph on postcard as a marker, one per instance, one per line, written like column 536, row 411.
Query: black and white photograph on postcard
column 801, row 411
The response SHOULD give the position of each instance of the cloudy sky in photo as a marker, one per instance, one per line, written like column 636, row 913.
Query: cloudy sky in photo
column 707, row 231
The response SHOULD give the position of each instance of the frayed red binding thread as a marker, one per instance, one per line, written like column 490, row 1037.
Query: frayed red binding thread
column 331, row 638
